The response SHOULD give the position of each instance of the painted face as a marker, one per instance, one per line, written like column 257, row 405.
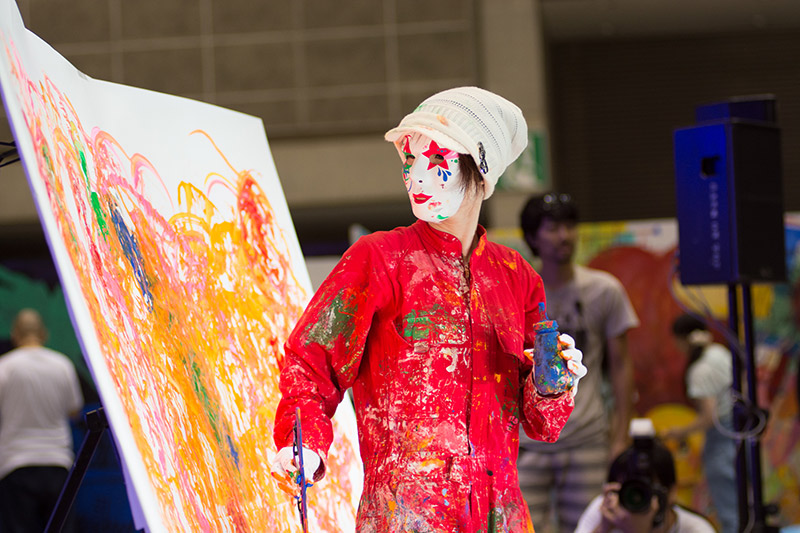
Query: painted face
column 432, row 177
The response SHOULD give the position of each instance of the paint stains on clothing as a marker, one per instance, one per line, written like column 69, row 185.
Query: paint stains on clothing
column 432, row 347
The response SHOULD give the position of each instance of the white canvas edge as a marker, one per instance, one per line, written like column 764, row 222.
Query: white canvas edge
column 72, row 293
column 142, row 498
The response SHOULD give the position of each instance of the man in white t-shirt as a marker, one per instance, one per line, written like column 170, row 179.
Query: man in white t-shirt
column 640, row 495
column 39, row 392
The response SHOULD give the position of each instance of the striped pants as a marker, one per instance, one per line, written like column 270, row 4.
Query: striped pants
column 559, row 485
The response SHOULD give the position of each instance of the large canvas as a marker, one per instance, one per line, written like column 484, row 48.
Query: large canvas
column 183, row 277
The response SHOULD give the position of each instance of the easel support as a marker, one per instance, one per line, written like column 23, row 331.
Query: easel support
column 8, row 153
column 96, row 423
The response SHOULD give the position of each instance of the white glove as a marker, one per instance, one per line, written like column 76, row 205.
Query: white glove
column 573, row 358
column 283, row 462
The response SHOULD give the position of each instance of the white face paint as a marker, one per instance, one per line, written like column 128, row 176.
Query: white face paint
column 432, row 177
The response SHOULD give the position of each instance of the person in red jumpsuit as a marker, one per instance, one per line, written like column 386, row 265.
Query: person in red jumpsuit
column 432, row 326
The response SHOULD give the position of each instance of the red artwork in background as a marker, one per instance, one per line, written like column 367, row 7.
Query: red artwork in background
column 658, row 365
column 641, row 255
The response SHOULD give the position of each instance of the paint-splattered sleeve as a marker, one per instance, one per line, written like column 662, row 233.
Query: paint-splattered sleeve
column 324, row 352
column 543, row 417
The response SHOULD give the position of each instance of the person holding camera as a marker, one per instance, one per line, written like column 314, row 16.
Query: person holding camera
column 640, row 495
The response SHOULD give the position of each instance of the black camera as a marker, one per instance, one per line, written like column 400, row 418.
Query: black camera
column 636, row 494
column 640, row 482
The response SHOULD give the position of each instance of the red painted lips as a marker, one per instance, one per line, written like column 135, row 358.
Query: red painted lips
column 421, row 198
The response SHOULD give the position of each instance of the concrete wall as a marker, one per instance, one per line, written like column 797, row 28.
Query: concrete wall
column 327, row 80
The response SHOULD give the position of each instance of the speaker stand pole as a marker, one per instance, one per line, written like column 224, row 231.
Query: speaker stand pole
column 758, row 516
column 738, row 415
column 752, row 515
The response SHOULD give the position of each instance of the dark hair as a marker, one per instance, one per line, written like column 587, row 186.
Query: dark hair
column 686, row 323
column 471, row 178
column 681, row 328
column 558, row 207
column 661, row 461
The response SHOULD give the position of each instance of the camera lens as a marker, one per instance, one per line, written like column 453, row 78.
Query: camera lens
column 635, row 495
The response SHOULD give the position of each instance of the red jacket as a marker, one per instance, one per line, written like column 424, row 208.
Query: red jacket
column 432, row 349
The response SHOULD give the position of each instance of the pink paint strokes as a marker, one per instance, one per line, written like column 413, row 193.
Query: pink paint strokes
column 191, row 309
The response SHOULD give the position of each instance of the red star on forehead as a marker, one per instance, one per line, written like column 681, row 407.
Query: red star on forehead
column 433, row 150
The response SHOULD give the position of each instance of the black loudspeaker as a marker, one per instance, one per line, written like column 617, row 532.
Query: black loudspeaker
column 730, row 198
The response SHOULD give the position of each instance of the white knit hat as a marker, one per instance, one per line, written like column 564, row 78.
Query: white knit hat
column 470, row 120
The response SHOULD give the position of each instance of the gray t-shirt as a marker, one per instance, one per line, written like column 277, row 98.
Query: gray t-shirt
column 591, row 308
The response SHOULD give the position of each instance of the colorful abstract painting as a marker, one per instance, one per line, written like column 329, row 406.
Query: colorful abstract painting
column 642, row 255
column 183, row 277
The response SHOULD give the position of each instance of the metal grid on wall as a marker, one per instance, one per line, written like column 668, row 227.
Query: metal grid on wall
column 304, row 66
column 616, row 104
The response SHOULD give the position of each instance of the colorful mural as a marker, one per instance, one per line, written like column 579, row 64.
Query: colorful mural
column 183, row 277
column 642, row 254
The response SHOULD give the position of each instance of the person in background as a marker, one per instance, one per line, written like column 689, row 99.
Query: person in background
column 591, row 306
column 430, row 325
column 640, row 495
column 709, row 377
column 39, row 392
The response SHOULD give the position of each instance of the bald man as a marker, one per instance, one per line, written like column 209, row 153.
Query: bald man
column 39, row 392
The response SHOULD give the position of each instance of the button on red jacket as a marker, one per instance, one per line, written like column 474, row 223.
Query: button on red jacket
column 433, row 350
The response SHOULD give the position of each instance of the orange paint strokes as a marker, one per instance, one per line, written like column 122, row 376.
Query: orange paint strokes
column 193, row 339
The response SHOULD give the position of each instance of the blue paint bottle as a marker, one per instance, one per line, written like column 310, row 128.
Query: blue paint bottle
column 550, row 368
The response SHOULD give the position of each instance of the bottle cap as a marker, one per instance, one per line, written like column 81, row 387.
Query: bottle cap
column 544, row 325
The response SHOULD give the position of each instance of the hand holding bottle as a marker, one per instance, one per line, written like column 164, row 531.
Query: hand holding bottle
column 557, row 362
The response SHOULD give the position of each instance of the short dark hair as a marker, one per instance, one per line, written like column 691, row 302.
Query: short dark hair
column 686, row 323
column 558, row 207
column 662, row 463
column 682, row 327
